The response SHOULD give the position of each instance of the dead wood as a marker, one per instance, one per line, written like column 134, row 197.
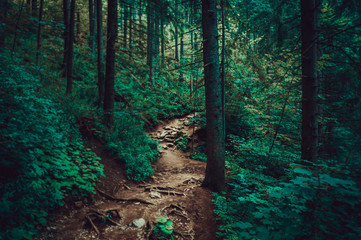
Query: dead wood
column 93, row 225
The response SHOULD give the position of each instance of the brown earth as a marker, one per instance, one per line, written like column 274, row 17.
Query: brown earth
column 121, row 204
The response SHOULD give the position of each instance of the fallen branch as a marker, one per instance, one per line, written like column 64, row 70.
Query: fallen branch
column 123, row 199
column 93, row 225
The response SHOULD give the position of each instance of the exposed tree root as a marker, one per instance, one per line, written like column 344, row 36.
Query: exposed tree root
column 123, row 199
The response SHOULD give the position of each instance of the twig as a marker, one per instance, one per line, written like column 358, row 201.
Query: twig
column 93, row 225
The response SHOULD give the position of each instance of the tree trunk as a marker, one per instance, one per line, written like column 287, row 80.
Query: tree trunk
column 110, row 65
column 130, row 27
column 77, row 28
column 92, row 27
column 66, row 9
column 99, row 17
column 34, row 6
column 215, row 149
column 39, row 31
column 151, row 40
column 309, row 81
column 69, row 62
column 125, row 29
column 3, row 15
column 223, row 66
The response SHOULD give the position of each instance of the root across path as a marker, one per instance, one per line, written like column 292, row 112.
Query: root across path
column 127, row 210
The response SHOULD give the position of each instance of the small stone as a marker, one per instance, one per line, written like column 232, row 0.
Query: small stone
column 78, row 204
column 154, row 194
column 138, row 223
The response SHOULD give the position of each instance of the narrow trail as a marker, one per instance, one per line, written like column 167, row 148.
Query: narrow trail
column 127, row 210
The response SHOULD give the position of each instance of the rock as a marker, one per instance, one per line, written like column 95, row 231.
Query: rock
column 154, row 194
column 138, row 223
column 167, row 128
column 169, row 139
column 170, row 145
column 165, row 147
column 78, row 204
column 163, row 134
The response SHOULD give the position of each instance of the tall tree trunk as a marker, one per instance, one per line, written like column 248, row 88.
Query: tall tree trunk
column 125, row 29
column 223, row 66
column 309, row 81
column 100, row 59
column 70, row 55
column 130, row 27
column 34, row 7
column 92, row 27
column 66, row 10
column 176, row 42
column 3, row 15
column 39, row 31
column 162, row 37
column 150, row 40
column 215, row 170
column 110, row 65
column 77, row 38
column 156, row 21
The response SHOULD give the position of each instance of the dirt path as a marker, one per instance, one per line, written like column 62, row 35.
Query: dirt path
column 127, row 210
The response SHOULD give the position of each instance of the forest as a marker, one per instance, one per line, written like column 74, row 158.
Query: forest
column 184, row 119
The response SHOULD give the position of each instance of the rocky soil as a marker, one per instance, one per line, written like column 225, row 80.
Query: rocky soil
column 127, row 210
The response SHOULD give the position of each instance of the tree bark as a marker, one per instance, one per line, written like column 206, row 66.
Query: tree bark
column 125, row 29
column 3, row 15
column 70, row 55
column 215, row 149
column 110, row 63
column 66, row 9
column 92, row 27
column 100, row 59
column 34, row 6
column 38, row 38
column 309, row 81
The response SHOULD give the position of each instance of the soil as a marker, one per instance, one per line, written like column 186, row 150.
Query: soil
column 127, row 210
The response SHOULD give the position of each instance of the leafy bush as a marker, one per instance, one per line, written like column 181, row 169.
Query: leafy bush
column 134, row 148
column 310, row 203
column 163, row 229
column 42, row 156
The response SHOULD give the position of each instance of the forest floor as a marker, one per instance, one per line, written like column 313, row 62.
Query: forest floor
column 126, row 210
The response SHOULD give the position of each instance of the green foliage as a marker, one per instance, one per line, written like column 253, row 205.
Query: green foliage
column 163, row 229
column 182, row 142
column 128, row 141
column 42, row 156
column 305, row 200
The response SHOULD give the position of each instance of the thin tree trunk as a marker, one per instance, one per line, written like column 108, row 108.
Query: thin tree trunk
column 110, row 65
column 39, row 31
column 100, row 59
column 309, row 81
column 215, row 149
column 17, row 26
column 162, row 37
column 92, row 27
column 34, row 6
column 69, row 63
column 3, row 15
column 130, row 27
column 223, row 66
column 66, row 9
column 77, row 28
column 125, row 29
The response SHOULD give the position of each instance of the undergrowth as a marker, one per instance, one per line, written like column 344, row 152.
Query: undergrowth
column 43, row 159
